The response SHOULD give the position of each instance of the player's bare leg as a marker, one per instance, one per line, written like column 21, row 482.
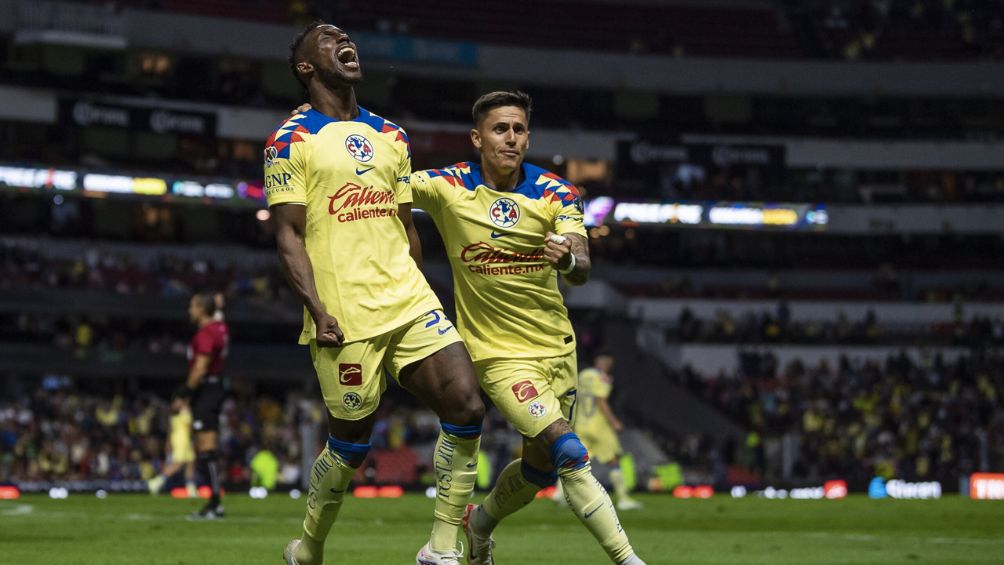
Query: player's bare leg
column 447, row 383
column 190, row 479
column 624, row 500
column 348, row 444
column 555, row 454
column 157, row 483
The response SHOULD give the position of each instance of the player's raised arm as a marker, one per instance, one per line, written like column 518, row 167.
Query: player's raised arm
column 291, row 223
column 569, row 254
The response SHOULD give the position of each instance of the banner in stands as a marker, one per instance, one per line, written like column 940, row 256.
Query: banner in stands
column 895, row 488
column 597, row 211
column 655, row 161
column 831, row 490
column 986, row 486
column 28, row 177
column 736, row 215
column 87, row 113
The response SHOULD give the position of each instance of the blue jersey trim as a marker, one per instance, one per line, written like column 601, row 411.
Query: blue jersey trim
column 536, row 183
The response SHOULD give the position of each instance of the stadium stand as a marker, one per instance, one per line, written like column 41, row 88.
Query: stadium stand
column 98, row 279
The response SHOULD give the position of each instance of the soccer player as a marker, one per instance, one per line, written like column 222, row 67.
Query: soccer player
column 336, row 180
column 598, row 427
column 207, row 353
column 180, row 455
column 510, row 229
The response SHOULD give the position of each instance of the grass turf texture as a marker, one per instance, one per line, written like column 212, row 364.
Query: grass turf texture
column 137, row 529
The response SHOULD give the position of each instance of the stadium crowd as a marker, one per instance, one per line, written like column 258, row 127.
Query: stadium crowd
column 931, row 419
column 162, row 273
column 777, row 326
column 58, row 435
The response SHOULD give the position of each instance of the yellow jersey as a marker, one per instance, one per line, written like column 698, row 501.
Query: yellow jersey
column 508, row 302
column 351, row 175
column 587, row 418
column 181, row 432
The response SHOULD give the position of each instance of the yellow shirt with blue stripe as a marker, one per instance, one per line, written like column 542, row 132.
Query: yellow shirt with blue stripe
column 351, row 175
column 508, row 302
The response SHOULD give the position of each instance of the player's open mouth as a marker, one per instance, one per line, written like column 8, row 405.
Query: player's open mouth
column 347, row 57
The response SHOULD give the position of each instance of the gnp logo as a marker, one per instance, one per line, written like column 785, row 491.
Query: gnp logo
column 359, row 147
column 524, row 390
column 276, row 180
column 350, row 374
column 504, row 212
column 270, row 155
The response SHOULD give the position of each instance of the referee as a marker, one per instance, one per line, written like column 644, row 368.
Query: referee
column 206, row 355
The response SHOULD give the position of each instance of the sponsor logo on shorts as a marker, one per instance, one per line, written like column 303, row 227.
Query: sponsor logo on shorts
column 350, row 374
column 524, row 390
column 352, row 401
column 536, row 409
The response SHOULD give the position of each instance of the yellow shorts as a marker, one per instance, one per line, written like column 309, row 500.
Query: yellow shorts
column 602, row 443
column 182, row 453
column 531, row 393
column 352, row 376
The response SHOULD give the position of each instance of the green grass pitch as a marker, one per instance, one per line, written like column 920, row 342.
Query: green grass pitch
column 137, row 529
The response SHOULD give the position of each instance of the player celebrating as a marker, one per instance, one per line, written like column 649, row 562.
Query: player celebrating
column 180, row 454
column 509, row 229
column 336, row 180
column 598, row 427
column 206, row 354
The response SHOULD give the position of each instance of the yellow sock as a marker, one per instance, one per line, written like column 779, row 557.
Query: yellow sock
column 512, row 491
column 617, row 480
column 456, row 464
column 329, row 478
column 591, row 503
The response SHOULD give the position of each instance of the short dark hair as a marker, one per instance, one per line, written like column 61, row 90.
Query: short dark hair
column 206, row 301
column 500, row 98
column 294, row 48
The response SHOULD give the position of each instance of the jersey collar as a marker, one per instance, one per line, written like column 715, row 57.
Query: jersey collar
column 526, row 186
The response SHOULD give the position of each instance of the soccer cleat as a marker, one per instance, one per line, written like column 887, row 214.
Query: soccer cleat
column 289, row 554
column 206, row 514
column 626, row 504
column 155, row 484
column 428, row 557
column 479, row 550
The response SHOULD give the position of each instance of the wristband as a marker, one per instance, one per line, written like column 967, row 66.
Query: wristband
column 570, row 267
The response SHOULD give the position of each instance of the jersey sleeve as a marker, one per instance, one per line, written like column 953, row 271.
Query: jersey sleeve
column 427, row 195
column 568, row 216
column 285, row 173
column 402, row 185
